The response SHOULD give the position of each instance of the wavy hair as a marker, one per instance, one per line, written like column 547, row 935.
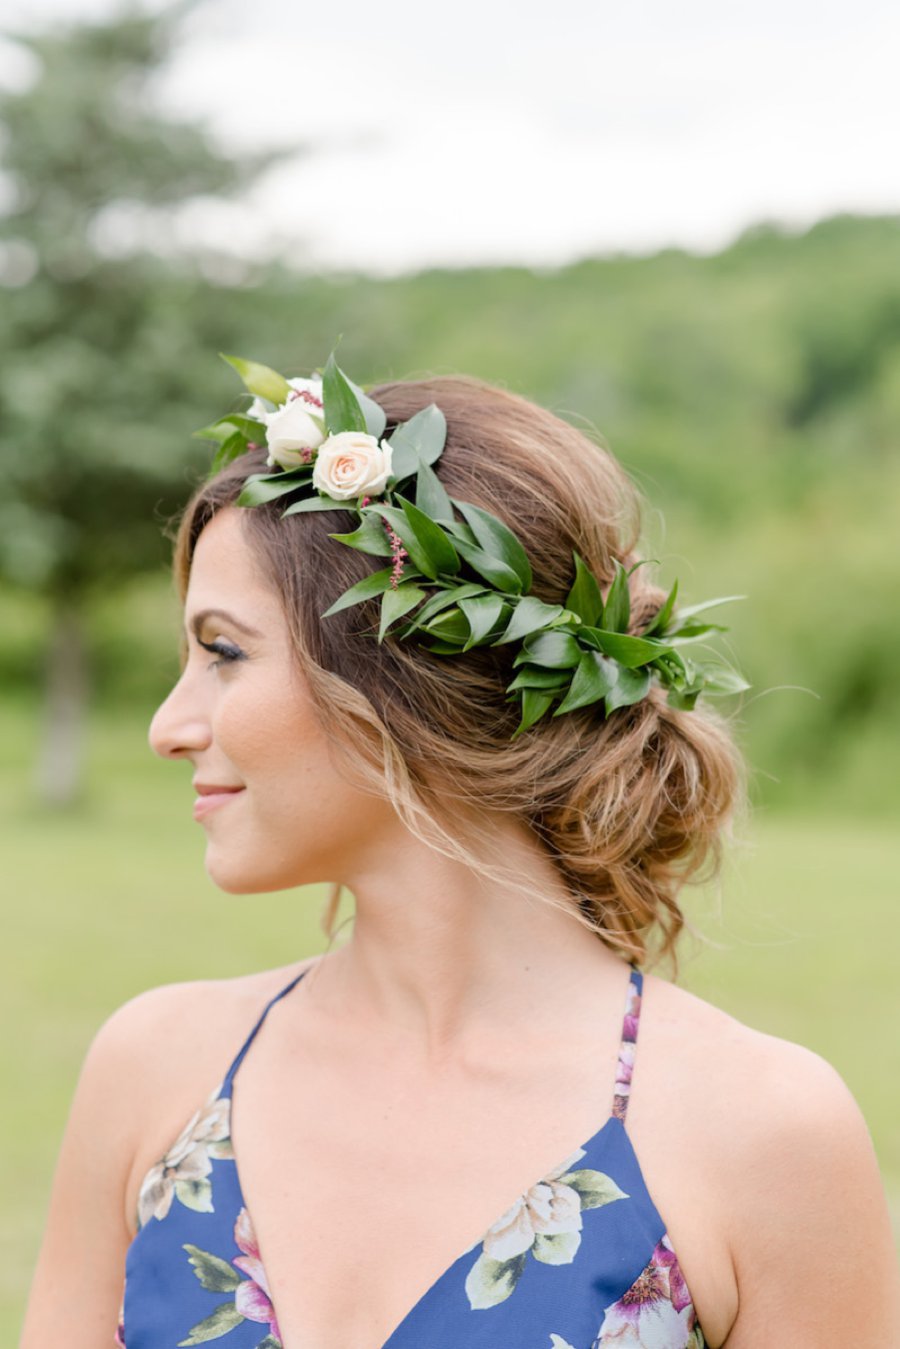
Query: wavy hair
column 629, row 807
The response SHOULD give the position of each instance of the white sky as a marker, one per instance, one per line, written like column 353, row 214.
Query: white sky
column 488, row 133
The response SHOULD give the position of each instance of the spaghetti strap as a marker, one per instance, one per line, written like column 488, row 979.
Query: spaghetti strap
column 625, row 1065
column 239, row 1057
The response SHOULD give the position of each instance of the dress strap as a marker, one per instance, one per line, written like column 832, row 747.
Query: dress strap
column 239, row 1057
column 628, row 1044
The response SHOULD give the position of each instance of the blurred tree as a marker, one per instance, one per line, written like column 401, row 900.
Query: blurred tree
column 97, row 342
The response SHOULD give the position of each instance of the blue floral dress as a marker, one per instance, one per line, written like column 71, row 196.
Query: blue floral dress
column 581, row 1260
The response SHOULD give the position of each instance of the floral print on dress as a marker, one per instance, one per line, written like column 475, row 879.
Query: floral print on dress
column 195, row 1276
column 251, row 1299
column 656, row 1312
column 625, row 1065
column 183, row 1173
column 545, row 1220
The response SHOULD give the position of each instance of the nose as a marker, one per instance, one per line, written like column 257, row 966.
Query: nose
column 179, row 726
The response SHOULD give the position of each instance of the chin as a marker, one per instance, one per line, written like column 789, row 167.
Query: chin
column 245, row 880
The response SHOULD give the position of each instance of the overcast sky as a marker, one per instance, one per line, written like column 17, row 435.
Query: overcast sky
column 535, row 133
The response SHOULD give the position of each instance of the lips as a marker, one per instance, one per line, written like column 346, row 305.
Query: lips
column 211, row 796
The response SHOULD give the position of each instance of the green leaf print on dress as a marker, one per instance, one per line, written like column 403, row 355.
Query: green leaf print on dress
column 243, row 1277
column 546, row 1221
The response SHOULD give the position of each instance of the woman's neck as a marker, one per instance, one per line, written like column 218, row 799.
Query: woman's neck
column 439, row 954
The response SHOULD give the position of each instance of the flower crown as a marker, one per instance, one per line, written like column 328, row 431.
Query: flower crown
column 468, row 580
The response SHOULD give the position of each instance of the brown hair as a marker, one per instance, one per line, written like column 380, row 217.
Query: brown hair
column 627, row 808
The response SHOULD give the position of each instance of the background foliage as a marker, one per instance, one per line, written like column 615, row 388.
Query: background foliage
column 755, row 397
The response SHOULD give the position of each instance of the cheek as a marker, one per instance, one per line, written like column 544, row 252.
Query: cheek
column 273, row 744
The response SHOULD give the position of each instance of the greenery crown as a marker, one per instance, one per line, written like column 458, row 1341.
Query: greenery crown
column 456, row 583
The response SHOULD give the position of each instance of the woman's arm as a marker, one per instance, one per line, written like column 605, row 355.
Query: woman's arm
column 77, row 1286
column 812, row 1245
column 150, row 1066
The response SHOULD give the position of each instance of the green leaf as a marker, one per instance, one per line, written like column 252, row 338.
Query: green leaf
column 259, row 379
column 441, row 600
column 235, row 445
column 195, row 1194
column 215, row 1274
column 617, row 609
column 690, row 631
column 482, row 612
column 693, row 609
column 533, row 677
column 721, row 679
column 530, row 615
column 630, row 651
column 556, row 650
column 419, row 441
column 491, row 568
column 630, row 687
column 269, row 1342
column 213, row 1327
column 428, row 546
column 432, row 537
column 661, row 621
column 319, row 502
column 431, row 495
column 593, row 680
column 369, row 586
column 450, row 626
column 396, row 603
column 497, row 539
column 490, row 1282
column 369, row 538
column 556, row 1248
column 684, row 699
column 342, row 409
column 594, row 1188
column 375, row 415
column 534, row 704
column 443, row 648
column 585, row 598
column 461, row 531
column 223, row 428
column 262, row 487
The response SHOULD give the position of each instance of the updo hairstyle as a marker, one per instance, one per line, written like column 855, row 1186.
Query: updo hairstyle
column 627, row 808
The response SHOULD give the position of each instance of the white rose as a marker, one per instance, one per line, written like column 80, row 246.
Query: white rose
column 295, row 426
column 352, row 464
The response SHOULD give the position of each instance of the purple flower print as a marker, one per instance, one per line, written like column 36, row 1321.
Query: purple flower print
column 656, row 1310
column 252, row 1298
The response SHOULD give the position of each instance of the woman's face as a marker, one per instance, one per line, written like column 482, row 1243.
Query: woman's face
column 240, row 716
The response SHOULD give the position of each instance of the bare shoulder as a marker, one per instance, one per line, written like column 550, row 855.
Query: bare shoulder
column 187, row 1022
column 771, row 1129
column 167, row 1049
column 755, row 1091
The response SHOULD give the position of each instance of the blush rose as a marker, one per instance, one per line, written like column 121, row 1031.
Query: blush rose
column 350, row 464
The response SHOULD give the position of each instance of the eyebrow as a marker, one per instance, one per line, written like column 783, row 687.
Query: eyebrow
column 200, row 618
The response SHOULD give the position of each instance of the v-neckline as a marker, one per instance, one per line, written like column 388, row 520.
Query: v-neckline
column 397, row 1332
column 634, row 985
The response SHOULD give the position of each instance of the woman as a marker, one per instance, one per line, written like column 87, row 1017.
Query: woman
column 431, row 1135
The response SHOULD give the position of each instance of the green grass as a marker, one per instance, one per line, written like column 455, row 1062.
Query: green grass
column 112, row 898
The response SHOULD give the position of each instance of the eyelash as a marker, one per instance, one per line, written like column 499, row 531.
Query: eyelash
column 226, row 654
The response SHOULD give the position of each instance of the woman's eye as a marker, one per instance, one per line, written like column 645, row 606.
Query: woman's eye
column 225, row 653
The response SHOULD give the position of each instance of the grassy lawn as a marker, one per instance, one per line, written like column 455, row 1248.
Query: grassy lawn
column 112, row 898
